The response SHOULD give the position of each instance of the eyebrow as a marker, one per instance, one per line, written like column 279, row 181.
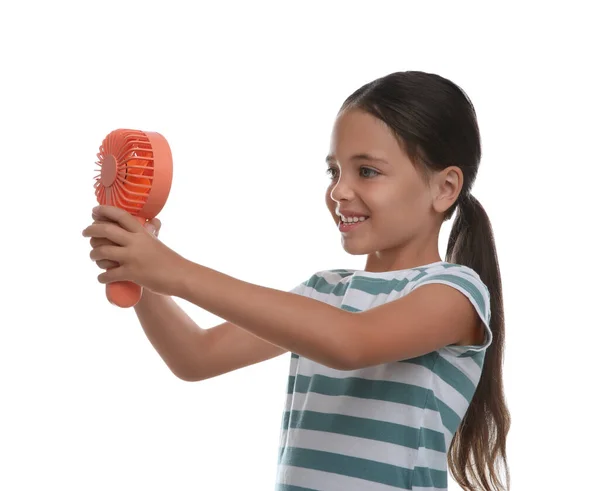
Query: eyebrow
column 359, row 156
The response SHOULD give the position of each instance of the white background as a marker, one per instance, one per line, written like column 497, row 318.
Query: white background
column 246, row 94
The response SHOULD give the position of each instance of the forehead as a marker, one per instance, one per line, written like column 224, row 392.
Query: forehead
column 356, row 131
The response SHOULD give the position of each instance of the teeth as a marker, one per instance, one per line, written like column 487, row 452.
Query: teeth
column 352, row 219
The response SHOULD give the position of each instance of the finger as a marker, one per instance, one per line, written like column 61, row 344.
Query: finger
column 98, row 241
column 118, row 215
column 110, row 231
column 106, row 264
column 157, row 224
column 103, row 263
column 112, row 275
column 107, row 252
column 153, row 226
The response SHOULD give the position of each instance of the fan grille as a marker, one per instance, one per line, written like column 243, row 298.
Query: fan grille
column 126, row 170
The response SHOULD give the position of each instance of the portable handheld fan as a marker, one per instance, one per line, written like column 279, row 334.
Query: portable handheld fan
column 136, row 171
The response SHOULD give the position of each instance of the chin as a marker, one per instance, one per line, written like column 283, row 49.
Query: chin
column 356, row 249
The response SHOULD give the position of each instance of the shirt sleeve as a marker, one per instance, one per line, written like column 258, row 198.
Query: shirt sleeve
column 468, row 282
column 301, row 288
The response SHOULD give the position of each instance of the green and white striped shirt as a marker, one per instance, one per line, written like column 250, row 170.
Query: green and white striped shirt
column 385, row 427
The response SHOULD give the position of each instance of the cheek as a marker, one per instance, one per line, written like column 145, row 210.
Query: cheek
column 408, row 199
column 394, row 210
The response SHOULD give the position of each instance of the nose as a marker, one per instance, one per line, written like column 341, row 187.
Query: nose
column 341, row 190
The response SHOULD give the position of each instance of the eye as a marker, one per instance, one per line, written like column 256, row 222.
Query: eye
column 367, row 172
column 332, row 172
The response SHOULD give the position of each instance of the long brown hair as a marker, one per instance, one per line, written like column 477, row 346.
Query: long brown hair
column 435, row 122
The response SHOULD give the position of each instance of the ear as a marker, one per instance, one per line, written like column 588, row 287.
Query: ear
column 446, row 188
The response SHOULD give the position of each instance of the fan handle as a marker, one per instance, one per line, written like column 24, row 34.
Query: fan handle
column 124, row 294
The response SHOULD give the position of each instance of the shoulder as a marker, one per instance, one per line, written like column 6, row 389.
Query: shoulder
column 461, row 278
column 468, row 282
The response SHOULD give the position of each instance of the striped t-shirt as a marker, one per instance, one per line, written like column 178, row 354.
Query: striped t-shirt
column 385, row 427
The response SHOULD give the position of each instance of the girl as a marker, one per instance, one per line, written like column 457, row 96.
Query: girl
column 396, row 370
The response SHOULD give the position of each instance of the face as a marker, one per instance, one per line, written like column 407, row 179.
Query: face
column 373, row 178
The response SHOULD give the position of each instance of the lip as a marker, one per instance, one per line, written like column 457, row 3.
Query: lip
column 349, row 213
column 349, row 227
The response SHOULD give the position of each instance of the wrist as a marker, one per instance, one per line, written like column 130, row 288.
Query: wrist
column 181, row 278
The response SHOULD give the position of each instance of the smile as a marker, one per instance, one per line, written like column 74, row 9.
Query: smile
column 349, row 226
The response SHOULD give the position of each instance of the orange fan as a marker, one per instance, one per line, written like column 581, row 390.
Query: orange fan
column 136, row 171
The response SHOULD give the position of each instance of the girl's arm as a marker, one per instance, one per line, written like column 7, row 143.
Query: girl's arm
column 191, row 352
column 430, row 317
column 425, row 320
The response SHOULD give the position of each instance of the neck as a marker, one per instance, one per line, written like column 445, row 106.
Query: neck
column 403, row 257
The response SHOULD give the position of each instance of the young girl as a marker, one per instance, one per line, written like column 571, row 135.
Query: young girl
column 396, row 370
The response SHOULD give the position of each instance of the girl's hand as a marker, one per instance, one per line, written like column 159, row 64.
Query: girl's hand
column 138, row 254
column 153, row 226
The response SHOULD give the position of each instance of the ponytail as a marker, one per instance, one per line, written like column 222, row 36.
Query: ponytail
column 479, row 445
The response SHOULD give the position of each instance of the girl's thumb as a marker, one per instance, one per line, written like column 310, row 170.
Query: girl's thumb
column 153, row 226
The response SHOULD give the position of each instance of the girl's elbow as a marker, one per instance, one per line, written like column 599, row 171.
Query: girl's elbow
column 347, row 358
